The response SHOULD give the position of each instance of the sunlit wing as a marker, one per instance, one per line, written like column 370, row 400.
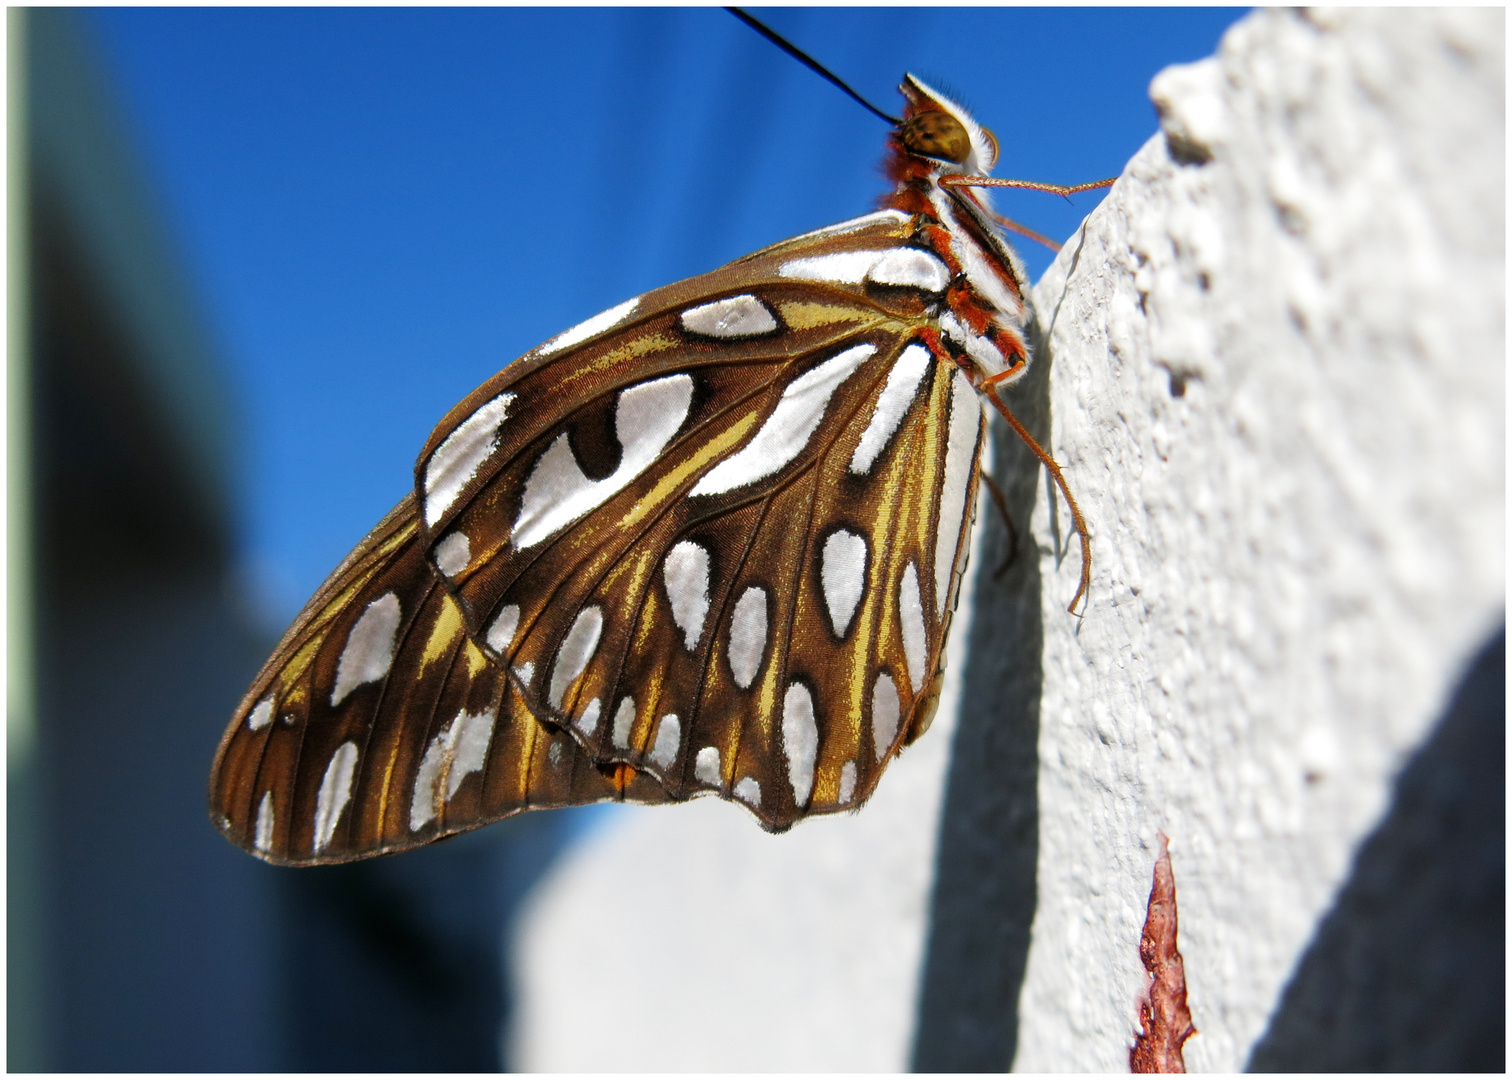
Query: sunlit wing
column 707, row 542
column 719, row 529
column 377, row 726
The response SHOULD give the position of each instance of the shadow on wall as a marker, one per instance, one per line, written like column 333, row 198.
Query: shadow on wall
column 985, row 883
column 1407, row 972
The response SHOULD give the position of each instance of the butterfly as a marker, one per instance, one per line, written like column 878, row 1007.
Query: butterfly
column 707, row 542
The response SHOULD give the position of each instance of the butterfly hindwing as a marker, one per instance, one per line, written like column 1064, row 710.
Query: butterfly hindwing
column 378, row 725
column 706, row 542
column 719, row 529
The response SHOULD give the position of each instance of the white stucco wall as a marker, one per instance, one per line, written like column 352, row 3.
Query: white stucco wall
column 1295, row 560
column 1295, row 557
column 686, row 939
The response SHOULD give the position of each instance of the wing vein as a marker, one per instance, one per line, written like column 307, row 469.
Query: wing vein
column 670, row 452
column 361, row 782
column 458, row 650
column 724, row 604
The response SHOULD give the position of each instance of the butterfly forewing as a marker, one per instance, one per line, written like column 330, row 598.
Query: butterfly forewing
column 379, row 726
column 707, row 542
column 737, row 526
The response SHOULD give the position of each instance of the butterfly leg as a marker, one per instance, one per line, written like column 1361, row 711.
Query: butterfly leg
column 1001, row 503
column 989, row 386
column 1029, row 185
column 1013, row 226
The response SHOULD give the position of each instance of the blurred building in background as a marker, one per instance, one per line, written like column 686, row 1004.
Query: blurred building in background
column 138, row 939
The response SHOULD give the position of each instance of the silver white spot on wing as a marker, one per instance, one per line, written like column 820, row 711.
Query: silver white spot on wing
column 668, row 741
column 886, row 711
column 847, row 782
column 262, row 835
column 732, row 317
column 706, row 767
column 686, row 574
column 842, row 572
column 587, row 722
column 576, row 650
column 840, row 267
column 965, row 426
column 915, row 634
column 261, row 715
column 789, row 428
column 501, row 631
column 748, row 791
column 646, row 418
column 800, row 740
column 624, row 721
column 458, row 458
column 748, row 636
column 334, row 794
column 453, row 553
column 897, row 395
column 912, row 268
column 470, row 747
column 906, row 266
column 457, row 750
column 555, row 751
column 369, row 648
column 591, row 327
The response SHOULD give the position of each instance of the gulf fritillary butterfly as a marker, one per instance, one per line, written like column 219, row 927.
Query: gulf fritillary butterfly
column 706, row 542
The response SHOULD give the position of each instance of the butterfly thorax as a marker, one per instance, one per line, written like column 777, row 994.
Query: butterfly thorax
column 984, row 323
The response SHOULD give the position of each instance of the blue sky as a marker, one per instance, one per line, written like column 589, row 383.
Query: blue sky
column 382, row 207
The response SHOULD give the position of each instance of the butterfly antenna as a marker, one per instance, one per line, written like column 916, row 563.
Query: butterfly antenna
column 804, row 58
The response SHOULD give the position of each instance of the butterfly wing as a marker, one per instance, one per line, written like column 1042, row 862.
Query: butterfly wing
column 378, row 726
column 719, row 528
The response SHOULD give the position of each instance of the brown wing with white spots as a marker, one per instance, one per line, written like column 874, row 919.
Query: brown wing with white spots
column 378, row 726
column 721, row 526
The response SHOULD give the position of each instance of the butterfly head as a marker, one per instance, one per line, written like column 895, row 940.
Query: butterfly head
column 941, row 135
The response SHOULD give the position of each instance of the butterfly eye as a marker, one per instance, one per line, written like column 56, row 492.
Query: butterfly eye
column 936, row 135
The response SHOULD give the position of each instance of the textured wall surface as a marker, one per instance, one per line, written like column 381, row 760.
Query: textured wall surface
column 1274, row 362
column 686, row 939
column 1278, row 390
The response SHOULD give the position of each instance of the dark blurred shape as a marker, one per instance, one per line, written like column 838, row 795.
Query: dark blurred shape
column 1407, row 972
column 146, row 940
column 395, row 964
column 139, row 940
column 986, row 868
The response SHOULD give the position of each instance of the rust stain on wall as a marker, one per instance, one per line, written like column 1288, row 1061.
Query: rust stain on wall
column 1165, row 1023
